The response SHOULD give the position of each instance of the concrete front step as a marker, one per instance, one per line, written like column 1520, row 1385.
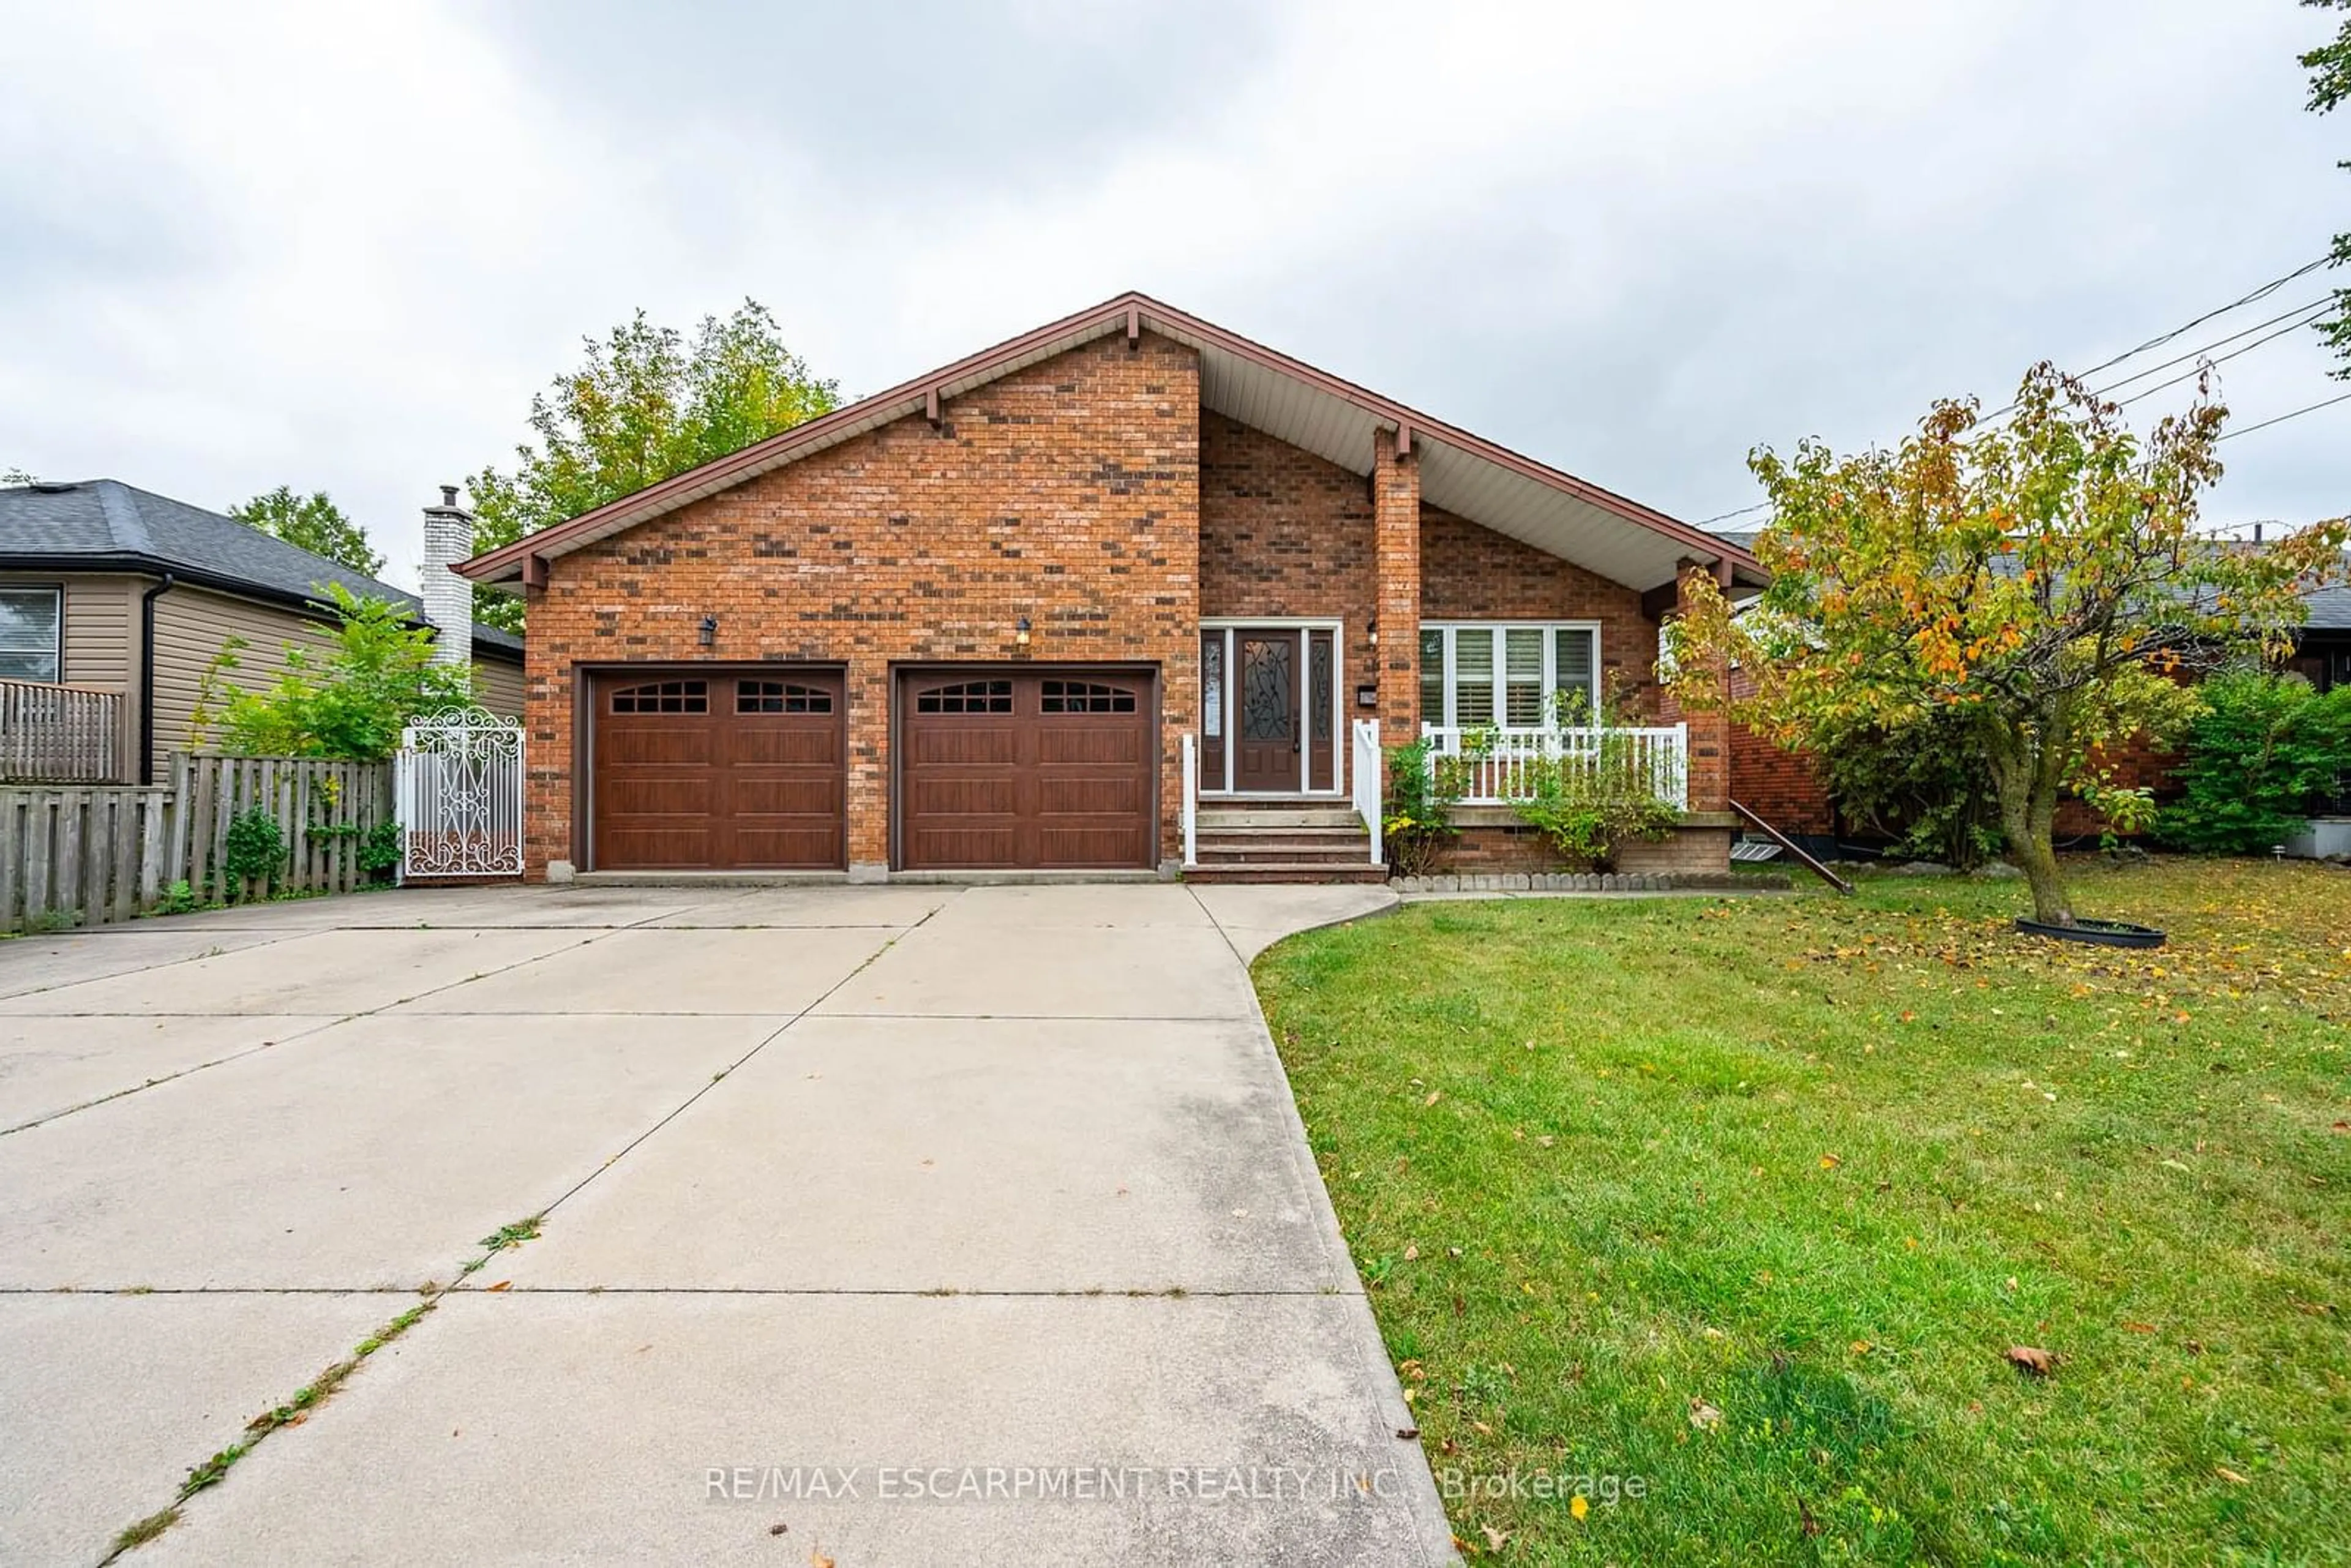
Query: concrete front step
column 1222, row 817
column 1358, row 853
column 1286, row 829
column 1282, row 870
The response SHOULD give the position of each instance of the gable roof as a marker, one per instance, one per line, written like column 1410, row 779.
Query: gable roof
column 104, row 525
column 1287, row 399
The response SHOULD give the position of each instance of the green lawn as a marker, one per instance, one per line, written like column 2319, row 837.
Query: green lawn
column 1747, row 1200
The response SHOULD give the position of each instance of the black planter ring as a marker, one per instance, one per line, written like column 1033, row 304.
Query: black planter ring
column 2101, row 933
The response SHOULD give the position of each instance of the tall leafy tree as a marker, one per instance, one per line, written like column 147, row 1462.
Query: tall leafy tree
column 648, row 402
column 2042, row 582
column 2330, row 87
column 315, row 524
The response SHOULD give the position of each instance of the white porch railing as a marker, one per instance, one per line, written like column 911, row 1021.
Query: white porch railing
column 1498, row 771
column 1191, row 802
column 1364, row 781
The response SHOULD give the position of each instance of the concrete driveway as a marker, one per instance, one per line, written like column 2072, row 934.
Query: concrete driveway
column 823, row 1203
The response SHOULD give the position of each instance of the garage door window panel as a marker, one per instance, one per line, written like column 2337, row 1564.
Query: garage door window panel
column 780, row 697
column 664, row 697
column 966, row 696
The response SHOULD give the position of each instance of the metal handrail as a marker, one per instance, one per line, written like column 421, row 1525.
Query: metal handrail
column 1794, row 848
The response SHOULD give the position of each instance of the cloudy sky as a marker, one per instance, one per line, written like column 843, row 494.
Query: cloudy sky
column 340, row 246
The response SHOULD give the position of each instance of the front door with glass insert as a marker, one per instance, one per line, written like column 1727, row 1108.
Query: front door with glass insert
column 1269, row 743
column 1269, row 710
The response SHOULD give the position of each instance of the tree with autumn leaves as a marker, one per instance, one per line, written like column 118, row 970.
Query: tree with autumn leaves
column 2041, row 577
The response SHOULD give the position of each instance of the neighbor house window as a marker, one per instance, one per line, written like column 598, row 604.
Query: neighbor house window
column 32, row 622
column 1474, row 673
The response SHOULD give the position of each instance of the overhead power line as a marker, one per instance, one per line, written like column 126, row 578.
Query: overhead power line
column 2263, row 292
column 2319, row 304
column 2297, row 413
column 2204, row 362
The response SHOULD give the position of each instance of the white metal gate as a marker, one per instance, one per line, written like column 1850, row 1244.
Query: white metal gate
column 457, row 783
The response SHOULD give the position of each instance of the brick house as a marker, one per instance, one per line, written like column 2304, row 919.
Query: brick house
column 1127, row 593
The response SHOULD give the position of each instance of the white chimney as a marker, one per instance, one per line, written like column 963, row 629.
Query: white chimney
column 448, row 598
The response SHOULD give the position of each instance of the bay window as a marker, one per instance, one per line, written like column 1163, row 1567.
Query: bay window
column 1508, row 674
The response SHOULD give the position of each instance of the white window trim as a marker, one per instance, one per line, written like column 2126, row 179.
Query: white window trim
column 57, row 595
column 1550, row 629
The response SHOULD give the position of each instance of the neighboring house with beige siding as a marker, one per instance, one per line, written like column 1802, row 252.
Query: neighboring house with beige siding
column 111, row 589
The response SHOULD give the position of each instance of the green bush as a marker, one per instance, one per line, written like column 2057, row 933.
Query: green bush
column 1417, row 818
column 1926, row 785
column 380, row 849
column 352, row 702
column 1589, row 805
column 2264, row 754
column 255, row 849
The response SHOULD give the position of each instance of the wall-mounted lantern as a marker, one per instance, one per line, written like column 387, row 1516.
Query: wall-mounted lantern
column 709, row 630
column 1020, row 633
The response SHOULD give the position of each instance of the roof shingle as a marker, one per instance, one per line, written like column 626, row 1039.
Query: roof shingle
column 104, row 522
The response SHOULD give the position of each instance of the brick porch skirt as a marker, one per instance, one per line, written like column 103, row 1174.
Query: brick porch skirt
column 1487, row 847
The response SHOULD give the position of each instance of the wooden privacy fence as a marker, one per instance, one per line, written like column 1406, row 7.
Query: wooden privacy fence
column 60, row 735
column 84, row 855
column 324, row 810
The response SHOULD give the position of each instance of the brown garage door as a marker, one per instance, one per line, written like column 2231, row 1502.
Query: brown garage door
column 703, row 771
column 1049, row 769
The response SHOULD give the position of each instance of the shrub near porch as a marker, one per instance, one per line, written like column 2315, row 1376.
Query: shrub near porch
column 1750, row 1199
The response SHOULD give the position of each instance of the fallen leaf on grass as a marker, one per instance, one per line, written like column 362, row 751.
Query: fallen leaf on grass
column 2030, row 1359
column 2138, row 1328
column 1434, row 1096
column 1830, row 1161
column 2226, row 1474
column 1494, row 1537
column 1412, row 1253
column 1704, row 1416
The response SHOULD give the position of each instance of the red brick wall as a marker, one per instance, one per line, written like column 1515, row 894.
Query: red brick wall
column 1284, row 533
column 1471, row 573
column 1777, row 785
column 1710, row 739
column 2137, row 762
column 1067, row 493
column 1494, row 847
column 1396, row 532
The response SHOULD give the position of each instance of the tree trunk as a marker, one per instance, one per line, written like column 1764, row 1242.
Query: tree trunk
column 2028, row 766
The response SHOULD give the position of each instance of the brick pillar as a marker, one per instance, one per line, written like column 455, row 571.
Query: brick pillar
column 1395, row 533
column 1710, row 729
